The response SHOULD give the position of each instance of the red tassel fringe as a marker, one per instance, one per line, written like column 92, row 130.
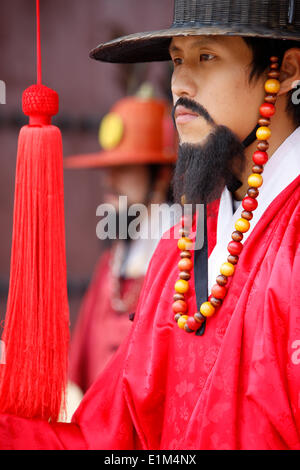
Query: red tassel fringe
column 36, row 333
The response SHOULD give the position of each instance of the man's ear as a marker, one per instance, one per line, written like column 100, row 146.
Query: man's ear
column 290, row 70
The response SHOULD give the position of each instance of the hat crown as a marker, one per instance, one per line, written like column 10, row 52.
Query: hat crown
column 135, row 131
column 265, row 13
column 274, row 19
column 145, row 125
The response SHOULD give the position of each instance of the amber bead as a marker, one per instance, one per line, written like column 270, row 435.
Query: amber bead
column 215, row 302
column 184, row 244
column 274, row 58
column 199, row 317
column 253, row 192
column 182, row 321
column 258, row 169
column 274, row 66
column 185, row 264
column 222, row 280
column 184, row 275
column 242, row 225
column 227, row 269
column 272, row 86
column 178, row 296
column 181, row 286
column 180, row 306
column 255, row 180
column 207, row 309
column 233, row 259
column 247, row 215
column 185, row 254
column 263, row 133
column 263, row 145
column 271, row 99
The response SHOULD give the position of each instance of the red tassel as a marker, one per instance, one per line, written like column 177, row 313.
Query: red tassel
column 36, row 329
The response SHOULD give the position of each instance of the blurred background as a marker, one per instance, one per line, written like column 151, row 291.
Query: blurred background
column 87, row 90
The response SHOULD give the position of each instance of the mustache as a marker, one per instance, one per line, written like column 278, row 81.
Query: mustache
column 194, row 107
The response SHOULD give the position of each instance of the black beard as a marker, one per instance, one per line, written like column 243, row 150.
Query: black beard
column 202, row 170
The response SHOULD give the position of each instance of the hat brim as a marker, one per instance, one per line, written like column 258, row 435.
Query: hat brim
column 154, row 45
column 115, row 158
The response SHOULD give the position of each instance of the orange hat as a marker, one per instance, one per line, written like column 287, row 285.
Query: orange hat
column 136, row 131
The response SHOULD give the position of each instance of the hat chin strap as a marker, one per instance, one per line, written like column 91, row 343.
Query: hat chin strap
column 235, row 183
column 251, row 137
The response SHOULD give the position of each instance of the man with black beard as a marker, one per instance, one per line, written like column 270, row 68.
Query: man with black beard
column 234, row 384
column 204, row 168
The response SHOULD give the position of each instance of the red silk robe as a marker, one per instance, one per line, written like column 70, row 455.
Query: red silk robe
column 237, row 387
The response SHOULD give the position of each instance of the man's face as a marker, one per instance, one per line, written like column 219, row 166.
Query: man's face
column 214, row 72
column 127, row 180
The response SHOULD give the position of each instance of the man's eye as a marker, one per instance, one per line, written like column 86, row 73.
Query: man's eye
column 177, row 61
column 206, row 57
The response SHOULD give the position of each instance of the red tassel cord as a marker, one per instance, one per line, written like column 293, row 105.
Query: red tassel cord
column 36, row 332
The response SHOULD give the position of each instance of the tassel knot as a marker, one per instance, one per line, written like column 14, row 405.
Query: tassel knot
column 40, row 103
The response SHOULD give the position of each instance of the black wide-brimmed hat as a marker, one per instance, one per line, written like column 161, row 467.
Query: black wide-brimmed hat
column 278, row 19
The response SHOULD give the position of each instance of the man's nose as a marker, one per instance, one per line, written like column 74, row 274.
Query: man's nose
column 183, row 84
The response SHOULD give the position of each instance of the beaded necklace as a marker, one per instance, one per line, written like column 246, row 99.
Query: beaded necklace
column 192, row 324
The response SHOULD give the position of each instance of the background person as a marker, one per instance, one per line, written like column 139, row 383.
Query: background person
column 137, row 157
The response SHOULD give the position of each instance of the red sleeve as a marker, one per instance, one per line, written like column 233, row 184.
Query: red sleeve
column 24, row 434
column 104, row 419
